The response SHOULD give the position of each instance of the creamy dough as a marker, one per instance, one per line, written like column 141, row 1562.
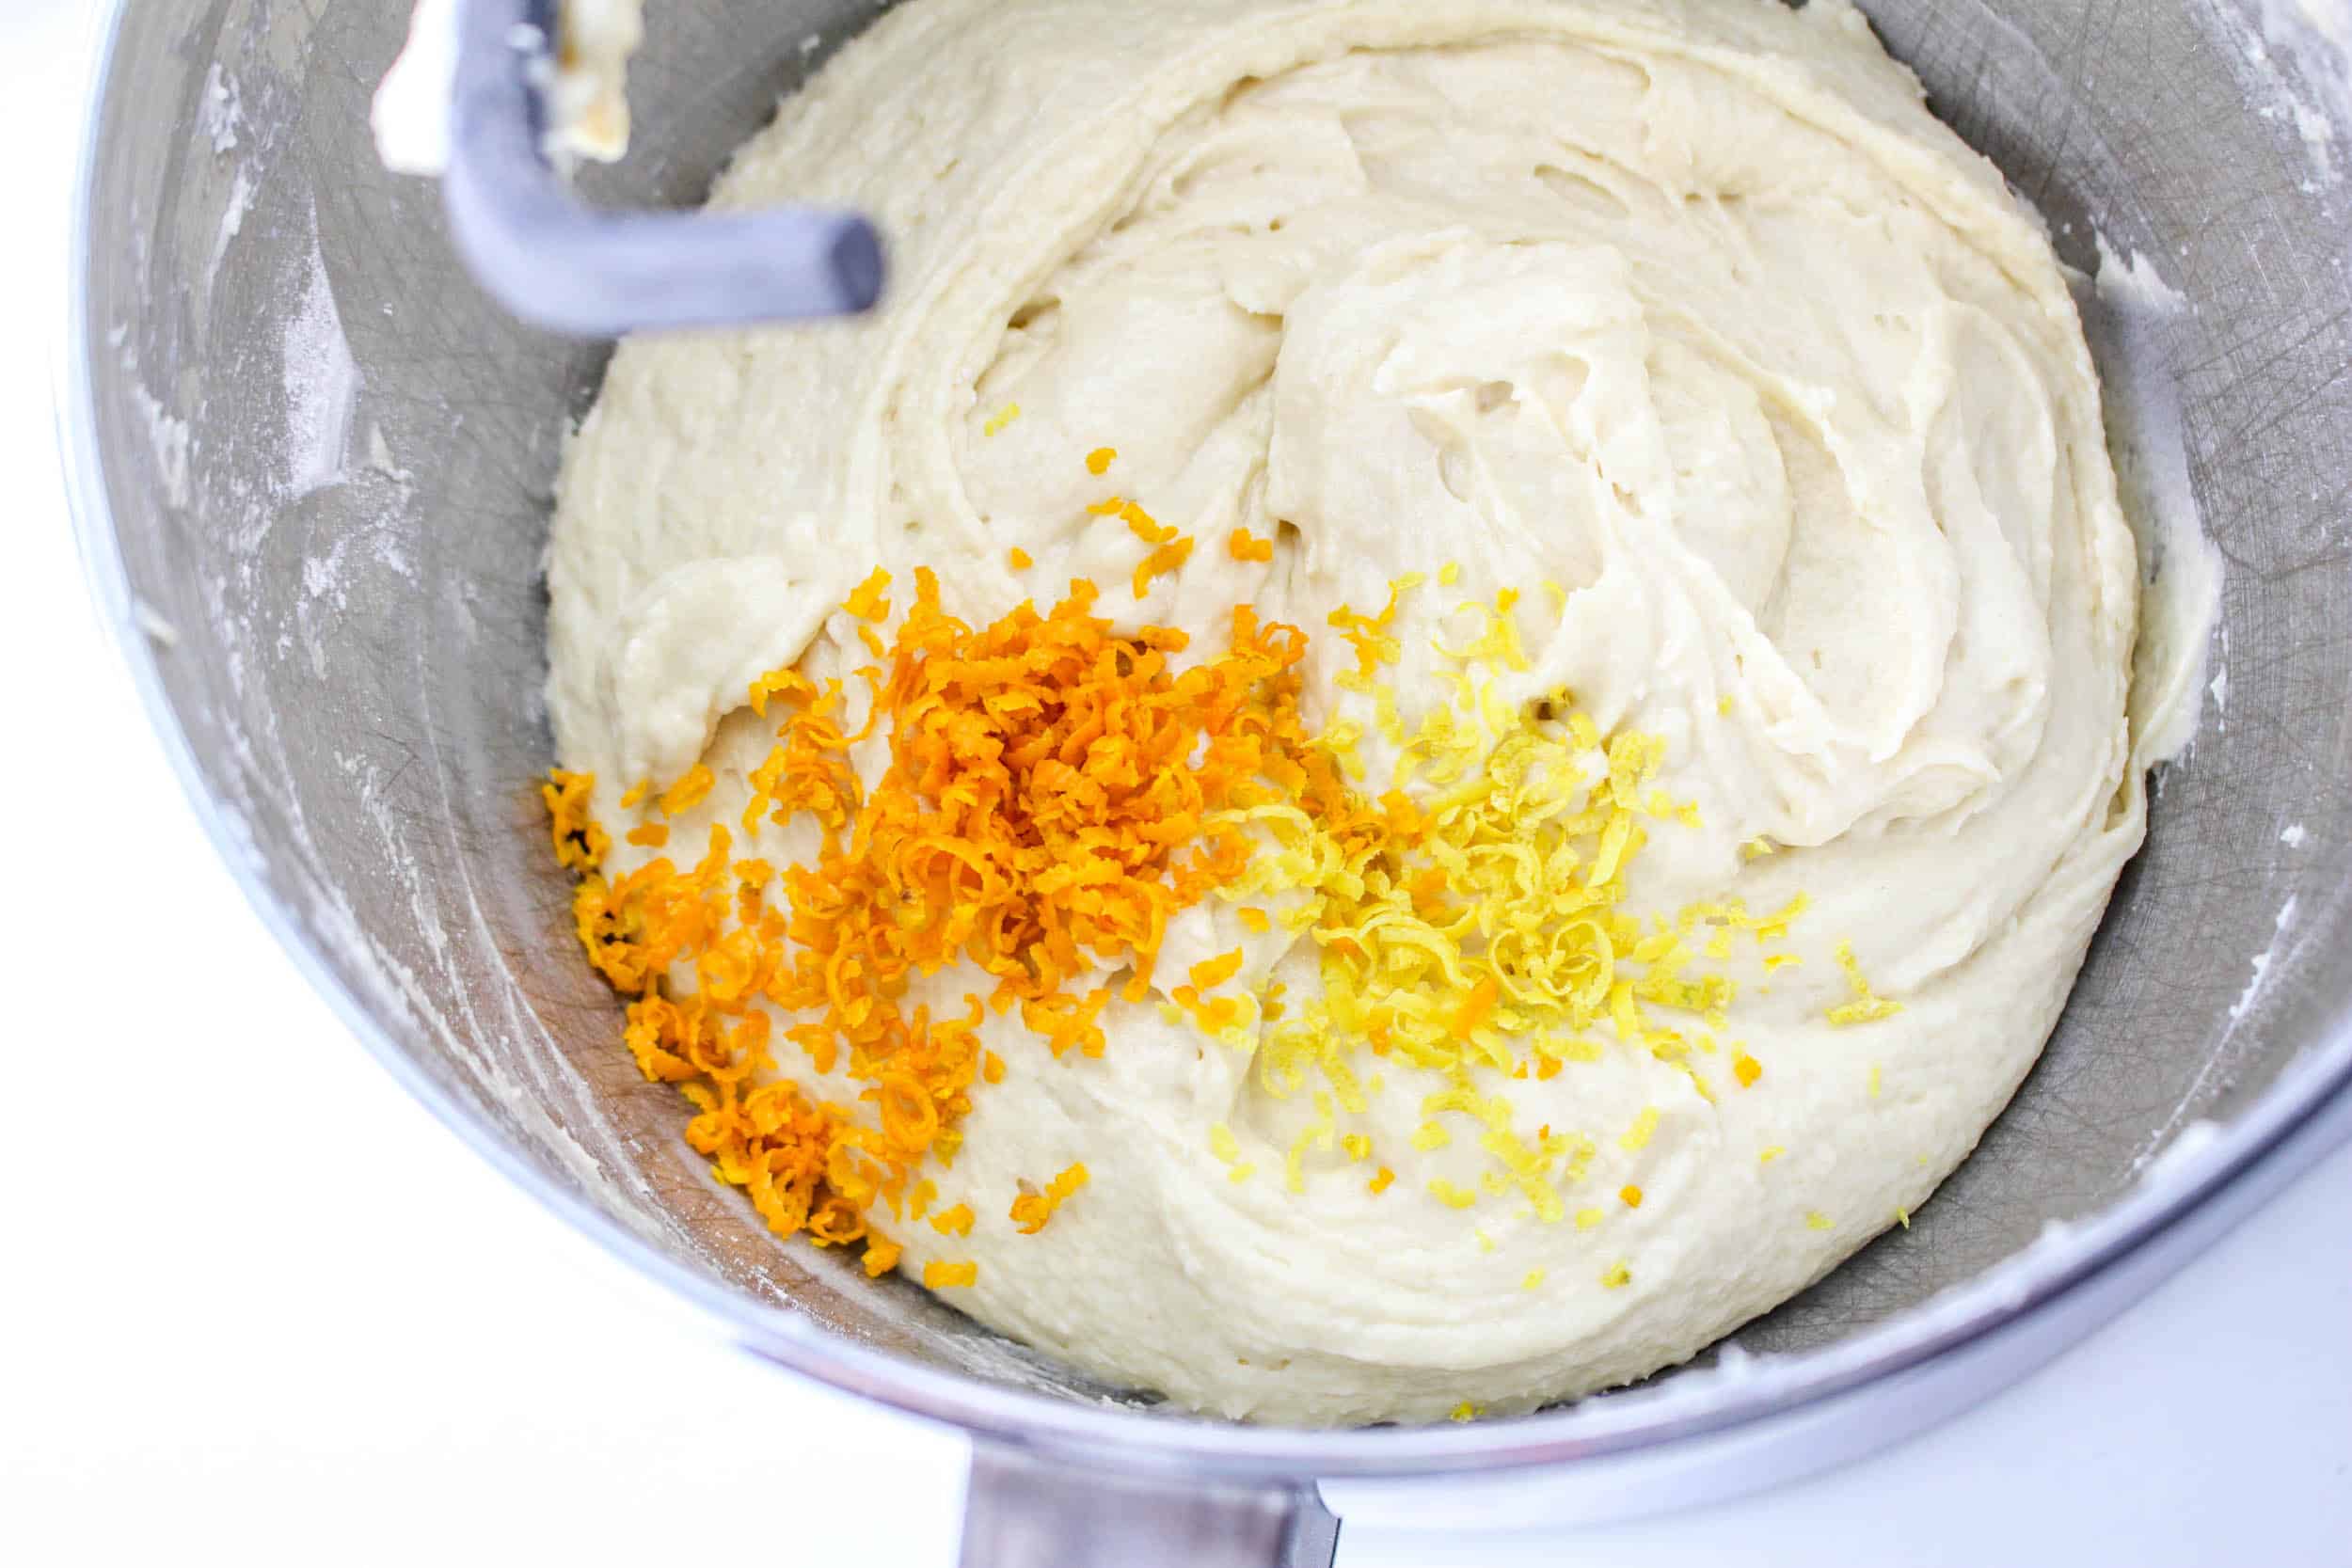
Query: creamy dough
column 1687, row 306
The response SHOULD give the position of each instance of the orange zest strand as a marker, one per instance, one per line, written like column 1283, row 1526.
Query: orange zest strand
column 1370, row 635
column 688, row 792
column 1161, row 562
column 579, row 843
column 1030, row 1211
column 866, row 602
column 1211, row 973
column 1140, row 522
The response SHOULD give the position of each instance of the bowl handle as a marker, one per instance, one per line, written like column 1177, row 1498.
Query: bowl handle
column 1025, row 1510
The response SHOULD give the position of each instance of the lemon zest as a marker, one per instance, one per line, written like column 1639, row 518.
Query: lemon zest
column 1866, row 1007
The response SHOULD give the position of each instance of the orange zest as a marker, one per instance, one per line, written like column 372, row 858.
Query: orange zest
column 1161, row 562
column 1370, row 635
column 1048, row 804
column 866, row 602
column 1245, row 546
column 941, row 1277
column 1170, row 549
column 1030, row 1211
column 688, row 792
column 579, row 843
column 1211, row 973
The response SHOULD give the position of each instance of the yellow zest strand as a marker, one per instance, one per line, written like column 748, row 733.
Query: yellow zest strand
column 1867, row 1005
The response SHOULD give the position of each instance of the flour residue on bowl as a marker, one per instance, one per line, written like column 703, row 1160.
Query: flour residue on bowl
column 2180, row 571
column 2298, row 69
column 2247, row 997
column 321, row 381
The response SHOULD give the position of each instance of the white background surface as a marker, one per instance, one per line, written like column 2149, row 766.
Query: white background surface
column 253, row 1301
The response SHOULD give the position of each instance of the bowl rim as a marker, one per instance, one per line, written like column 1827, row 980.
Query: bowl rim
column 2014, row 1292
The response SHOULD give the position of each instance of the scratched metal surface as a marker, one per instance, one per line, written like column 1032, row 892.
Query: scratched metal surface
column 347, row 554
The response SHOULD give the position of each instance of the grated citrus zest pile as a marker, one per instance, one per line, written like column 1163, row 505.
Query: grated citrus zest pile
column 1055, row 793
column 1480, row 928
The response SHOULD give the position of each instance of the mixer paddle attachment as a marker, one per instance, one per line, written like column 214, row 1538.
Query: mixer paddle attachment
column 570, row 268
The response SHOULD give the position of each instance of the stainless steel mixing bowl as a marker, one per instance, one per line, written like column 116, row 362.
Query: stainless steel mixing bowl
column 315, row 469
